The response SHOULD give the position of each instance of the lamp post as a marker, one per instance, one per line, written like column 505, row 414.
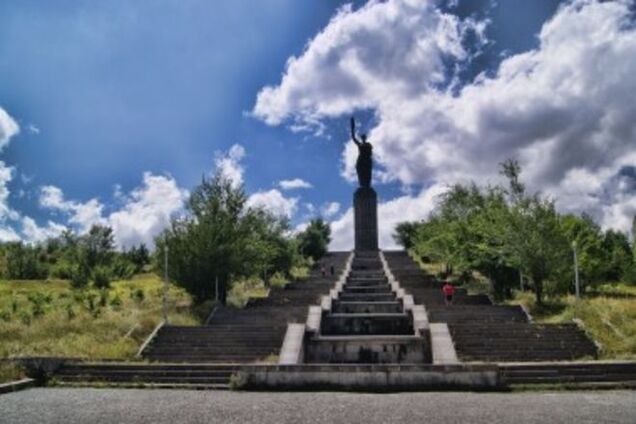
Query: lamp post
column 576, row 271
column 165, row 281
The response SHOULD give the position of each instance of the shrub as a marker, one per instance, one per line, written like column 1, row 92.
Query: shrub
column 70, row 312
column 138, row 295
column 122, row 268
column 63, row 270
column 103, row 297
column 25, row 318
column 116, row 303
column 278, row 280
column 90, row 301
column 629, row 276
column 101, row 277
column 5, row 316
column 38, row 300
column 79, row 277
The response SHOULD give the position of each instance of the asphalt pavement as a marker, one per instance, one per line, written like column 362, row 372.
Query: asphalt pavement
column 96, row 406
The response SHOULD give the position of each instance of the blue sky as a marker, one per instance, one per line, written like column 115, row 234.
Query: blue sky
column 126, row 104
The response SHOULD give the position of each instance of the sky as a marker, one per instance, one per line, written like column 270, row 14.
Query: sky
column 111, row 112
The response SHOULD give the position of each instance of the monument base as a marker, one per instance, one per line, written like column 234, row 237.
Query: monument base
column 365, row 206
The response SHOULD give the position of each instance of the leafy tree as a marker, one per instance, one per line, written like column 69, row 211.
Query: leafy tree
column 405, row 233
column 314, row 240
column 220, row 239
column 98, row 246
column 618, row 254
column 139, row 256
column 23, row 262
column 589, row 239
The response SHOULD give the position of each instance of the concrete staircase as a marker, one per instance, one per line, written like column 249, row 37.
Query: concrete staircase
column 208, row 376
column 490, row 333
column 245, row 335
column 366, row 322
column 580, row 374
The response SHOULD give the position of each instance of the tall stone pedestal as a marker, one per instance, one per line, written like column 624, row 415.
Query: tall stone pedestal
column 365, row 206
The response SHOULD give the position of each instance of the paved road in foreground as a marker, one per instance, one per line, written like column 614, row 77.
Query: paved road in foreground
column 180, row 406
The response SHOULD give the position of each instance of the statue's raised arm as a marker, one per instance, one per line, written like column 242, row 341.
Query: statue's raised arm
column 353, row 131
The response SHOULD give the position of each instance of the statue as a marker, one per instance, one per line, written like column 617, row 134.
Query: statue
column 364, row 164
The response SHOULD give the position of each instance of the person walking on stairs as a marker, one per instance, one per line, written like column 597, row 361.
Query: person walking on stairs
column 449, row 291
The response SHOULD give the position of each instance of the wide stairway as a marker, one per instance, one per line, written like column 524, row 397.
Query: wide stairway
column 252, row 334
column 367, row 323
column 482, row 331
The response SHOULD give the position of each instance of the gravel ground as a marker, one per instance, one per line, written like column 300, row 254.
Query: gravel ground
column 96, row 406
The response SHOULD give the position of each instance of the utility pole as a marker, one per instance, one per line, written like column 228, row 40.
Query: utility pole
column 576, row 271
column 165, row 281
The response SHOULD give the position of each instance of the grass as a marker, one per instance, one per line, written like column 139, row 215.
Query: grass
column 608, row 313
column 10, row 372
column 48, row 318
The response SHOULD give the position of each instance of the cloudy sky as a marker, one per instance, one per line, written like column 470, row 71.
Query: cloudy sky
column 110, row 112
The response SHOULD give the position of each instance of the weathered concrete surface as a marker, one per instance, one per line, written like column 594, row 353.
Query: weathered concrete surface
column 14, row 386
column 442, row 347
column 380, row 377
column 366, row 349
column 97, row 406
column 291, row 352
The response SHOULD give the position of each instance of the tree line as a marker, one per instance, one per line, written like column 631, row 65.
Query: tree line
column 82, row 259
column 221, row 239
column 509, row 235
column 218, row 240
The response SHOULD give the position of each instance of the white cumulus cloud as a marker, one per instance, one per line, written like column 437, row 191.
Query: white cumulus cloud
column 229, row 163
column 145, row 211
column 565, row 109
column 294, row 184
column 275, row 202
column 330, row 209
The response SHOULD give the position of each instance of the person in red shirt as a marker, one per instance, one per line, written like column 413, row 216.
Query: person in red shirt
column 449, row 290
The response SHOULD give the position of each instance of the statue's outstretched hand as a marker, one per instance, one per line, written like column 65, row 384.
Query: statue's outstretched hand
column 353, row 131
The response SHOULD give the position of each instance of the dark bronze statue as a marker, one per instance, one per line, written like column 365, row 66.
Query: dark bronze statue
column 364, row 164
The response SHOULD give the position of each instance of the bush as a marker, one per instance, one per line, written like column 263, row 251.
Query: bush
column 116, row 303
column 5, row 316
column 25, row 318
column 38, row 300
column 103, row 297
column 138, row 295
column 122, row 268
column 101, row 277
column 278, row 280
column 70, row 312
column 62, row 270
column 629, row 276
column 79, row 277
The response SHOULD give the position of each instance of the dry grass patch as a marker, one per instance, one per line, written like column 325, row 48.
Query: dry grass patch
column 48, row 318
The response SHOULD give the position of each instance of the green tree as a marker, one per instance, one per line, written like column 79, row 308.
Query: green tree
column 220, row 239
column 618, row 254
column 405, row 233
column 314, row 240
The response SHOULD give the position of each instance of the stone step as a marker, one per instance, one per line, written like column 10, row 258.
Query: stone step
column 385, row 288
column 367, row 324
column 367, row 307
column 367, row 297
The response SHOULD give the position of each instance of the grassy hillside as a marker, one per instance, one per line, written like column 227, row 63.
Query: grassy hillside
column 609, row 315
column 48, row 318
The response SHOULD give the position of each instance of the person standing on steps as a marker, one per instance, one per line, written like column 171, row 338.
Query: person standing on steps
column 449, row 291
column 332, row 270
column 323, row 270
